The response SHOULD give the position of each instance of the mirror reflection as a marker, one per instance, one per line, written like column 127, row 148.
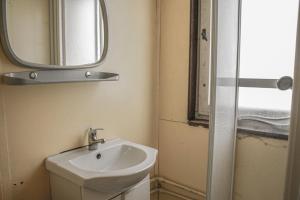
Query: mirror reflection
column 56, row 32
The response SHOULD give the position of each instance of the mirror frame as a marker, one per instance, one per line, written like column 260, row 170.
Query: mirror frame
column 18, row 61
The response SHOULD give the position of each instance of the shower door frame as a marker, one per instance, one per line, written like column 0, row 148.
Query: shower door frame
column 226, row 18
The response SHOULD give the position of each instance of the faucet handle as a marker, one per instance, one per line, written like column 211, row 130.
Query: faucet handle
column 92, row 138
column 93, row 133
column 94, row 130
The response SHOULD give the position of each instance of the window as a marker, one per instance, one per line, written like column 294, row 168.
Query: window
column 199, row 62
column 267, row 52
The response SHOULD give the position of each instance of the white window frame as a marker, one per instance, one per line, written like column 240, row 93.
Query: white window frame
column 204, row 46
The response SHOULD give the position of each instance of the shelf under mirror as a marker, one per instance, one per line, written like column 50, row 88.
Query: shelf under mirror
column 56, row 76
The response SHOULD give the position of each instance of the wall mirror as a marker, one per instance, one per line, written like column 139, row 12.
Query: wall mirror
column 54, row 34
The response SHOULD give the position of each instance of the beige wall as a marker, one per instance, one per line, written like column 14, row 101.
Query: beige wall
column 183, row 149
column 260, row 165
column 260, row 168
column 41, row 120
column 37, row 121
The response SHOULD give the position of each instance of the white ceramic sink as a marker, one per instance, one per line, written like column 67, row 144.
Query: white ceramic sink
column 113, row 167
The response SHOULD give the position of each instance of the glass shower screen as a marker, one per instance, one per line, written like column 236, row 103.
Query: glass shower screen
column 223, row 104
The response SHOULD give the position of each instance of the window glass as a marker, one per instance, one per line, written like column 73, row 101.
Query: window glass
column 268, row 40
column 265, row 99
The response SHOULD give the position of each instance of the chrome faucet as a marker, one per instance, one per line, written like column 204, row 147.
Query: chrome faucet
column 93, row 140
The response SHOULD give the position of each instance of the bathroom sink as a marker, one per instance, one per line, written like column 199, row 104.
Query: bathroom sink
column 114, row 167
column 116, row 158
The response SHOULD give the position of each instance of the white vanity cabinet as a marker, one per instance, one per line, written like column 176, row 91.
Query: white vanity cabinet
column 139, row 192
column 62, row 189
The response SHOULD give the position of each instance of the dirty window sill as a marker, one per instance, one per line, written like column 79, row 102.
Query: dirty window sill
column 205, row 124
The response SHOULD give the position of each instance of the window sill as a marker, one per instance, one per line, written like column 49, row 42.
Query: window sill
column 205, row 124
column 196, row 123
column 262, row 134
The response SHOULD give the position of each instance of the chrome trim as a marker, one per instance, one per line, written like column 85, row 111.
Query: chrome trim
column 88, row 74
column 93, row 140
column 56, row 76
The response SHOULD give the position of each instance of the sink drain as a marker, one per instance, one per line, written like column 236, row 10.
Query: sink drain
column 98, row 156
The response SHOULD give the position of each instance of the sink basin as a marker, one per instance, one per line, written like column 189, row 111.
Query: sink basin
column 115, row 158
column 114, row 167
